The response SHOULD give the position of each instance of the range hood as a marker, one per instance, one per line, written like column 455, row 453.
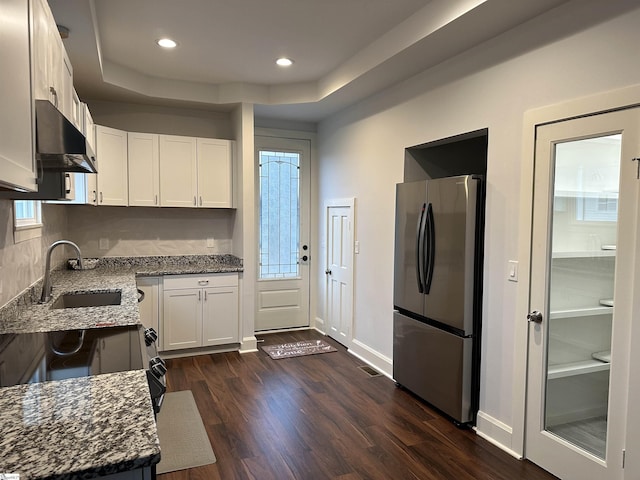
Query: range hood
column 60, row 146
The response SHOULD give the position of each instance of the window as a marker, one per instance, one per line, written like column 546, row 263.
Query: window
column 27, row 215
column 597, row 209
column 279, row 214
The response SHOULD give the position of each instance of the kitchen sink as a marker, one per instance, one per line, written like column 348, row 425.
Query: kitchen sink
column 88, row 299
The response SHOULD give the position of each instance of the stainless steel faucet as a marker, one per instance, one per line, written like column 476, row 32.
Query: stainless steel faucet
column 46, row 280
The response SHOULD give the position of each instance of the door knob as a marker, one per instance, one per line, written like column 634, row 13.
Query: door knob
column 535, row 317
column 327, row 272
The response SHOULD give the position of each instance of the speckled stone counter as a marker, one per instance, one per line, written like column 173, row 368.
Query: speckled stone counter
column 106, row 274
column 91, row 426
column 78, row 428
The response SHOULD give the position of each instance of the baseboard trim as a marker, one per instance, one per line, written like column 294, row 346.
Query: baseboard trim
column 249, row 344
column 375, row 359
column 496, row 432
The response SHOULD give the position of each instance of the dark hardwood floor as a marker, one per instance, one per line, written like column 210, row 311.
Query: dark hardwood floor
column 322, row 417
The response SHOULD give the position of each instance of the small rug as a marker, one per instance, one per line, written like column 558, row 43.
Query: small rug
column 298, row 349
column 183, row 439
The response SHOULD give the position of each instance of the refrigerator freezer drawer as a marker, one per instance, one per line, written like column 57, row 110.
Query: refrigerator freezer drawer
column 435, row 365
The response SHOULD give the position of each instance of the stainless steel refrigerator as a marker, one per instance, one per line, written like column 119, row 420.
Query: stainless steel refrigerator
column 438, row 292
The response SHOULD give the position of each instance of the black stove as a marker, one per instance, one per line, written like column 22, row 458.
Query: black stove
column 58, row 355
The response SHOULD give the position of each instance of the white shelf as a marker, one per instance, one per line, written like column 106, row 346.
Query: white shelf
column 576, row 368
column 581, row 312
column 585, row 254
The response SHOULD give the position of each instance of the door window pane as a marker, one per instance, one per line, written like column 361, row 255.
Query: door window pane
column 279, row 214
column 581, row 285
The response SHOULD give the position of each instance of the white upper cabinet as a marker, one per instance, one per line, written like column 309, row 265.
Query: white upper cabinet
column 52, row 71
column 215, row 173
column 111, row 152
column 178, row 171
column 17, row 160
column 144, row 165
column 196, row 172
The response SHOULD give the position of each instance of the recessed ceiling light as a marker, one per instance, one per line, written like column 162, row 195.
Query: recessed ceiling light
column 167, row 43
column 284, row 62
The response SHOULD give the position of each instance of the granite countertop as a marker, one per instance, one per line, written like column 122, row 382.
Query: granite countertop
column 89, row 426
column 67, row 429
column 106, row 274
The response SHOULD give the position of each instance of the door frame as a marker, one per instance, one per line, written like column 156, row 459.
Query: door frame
column 603, row 102
column 349, row 203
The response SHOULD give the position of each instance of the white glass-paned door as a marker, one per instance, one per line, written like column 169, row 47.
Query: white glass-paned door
column 284, row 252
column 581, row 299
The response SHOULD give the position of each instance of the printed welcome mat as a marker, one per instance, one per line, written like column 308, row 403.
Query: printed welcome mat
column 298, row 349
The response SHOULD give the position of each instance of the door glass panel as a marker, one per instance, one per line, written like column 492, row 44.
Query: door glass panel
column 279, row 214
column 581, row 286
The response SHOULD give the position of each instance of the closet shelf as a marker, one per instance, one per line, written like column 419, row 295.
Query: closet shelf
column 576, row 368
column 584, row 254
column 581, row 312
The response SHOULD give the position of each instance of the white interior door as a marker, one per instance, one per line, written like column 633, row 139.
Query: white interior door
column 584, row 222
column 284, row 251
column 339, row 273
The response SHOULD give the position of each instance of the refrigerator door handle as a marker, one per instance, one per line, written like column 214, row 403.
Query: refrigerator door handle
column 420, row 249
column 430, row 240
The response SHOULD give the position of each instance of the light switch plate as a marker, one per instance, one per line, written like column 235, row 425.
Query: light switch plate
column 357, row 246
column 512, row 272
column 210, row 243
column 104, row 244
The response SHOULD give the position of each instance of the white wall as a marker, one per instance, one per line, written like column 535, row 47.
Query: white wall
column 578, row 49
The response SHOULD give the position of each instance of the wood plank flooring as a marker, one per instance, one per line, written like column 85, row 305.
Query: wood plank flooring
column 321, row 417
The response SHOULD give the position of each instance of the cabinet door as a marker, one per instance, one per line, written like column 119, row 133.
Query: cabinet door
column 178, row 171
column 182, row 318
column 85, row 183
column 215, row 173
column 17, row 161
column 149, row 306
column 66, row 102
column 144, row 164
column 111, row 150
column 220, row 316
column 40, row 25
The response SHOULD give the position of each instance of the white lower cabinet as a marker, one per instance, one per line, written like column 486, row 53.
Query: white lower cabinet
column 199, row 310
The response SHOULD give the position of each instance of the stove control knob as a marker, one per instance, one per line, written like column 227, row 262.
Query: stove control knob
column 157, row 367
column 150, row 336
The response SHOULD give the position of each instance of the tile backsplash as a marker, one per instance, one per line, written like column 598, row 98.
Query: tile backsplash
column 22, row 264
column 141, row 231
column 108, row 232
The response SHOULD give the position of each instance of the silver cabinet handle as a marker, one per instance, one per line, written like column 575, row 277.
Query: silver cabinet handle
column 156, row 200
column 101, row 200
column 205, row 296
column 199, row 295
column 200, row 200
column 67, row 182
column 194, row 200
column 53, row 92
column 95, row 196
column 203, row 282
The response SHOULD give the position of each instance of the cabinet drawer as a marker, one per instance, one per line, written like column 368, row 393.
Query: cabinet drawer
column 201, row 281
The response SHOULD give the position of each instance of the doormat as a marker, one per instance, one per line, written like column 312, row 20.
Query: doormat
column 298, row 349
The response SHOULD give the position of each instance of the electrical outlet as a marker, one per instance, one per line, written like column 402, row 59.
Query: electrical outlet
column 210, row 243
column 104, row 244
